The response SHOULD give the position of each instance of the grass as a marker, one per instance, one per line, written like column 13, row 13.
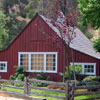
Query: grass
column 51, row 93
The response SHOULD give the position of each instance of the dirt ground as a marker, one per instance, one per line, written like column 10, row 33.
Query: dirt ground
column 12, row 96
column 5, row 96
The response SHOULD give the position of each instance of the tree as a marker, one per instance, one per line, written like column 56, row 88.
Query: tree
column 15, row 26
column 90, row 12
column 3, row 31
column 7, row 4
column 76, row 68
column 96, row 44
column 32, row 8
column 66, row 25
column 11, row 7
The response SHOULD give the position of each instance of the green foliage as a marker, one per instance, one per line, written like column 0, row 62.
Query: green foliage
column 71, row 70
column 19, row 74
column 96, row 44
column 90, row 12
column 33, row 7
column 89, row 35
column 40, row 76
column 20, row 77
column 92, row 80
column 9, row 7
column 8, row 3
column 3, row 31
column 15, row 26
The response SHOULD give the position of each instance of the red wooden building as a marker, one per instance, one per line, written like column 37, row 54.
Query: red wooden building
column 36, row 53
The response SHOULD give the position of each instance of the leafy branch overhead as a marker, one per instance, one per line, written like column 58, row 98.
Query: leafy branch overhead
column 90, row 12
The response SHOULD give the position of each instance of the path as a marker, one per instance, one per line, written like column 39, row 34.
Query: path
column 13, row 96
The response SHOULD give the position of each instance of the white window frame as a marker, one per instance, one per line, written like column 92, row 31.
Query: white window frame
column 83, row 64
column 4, row 62
column 29, row 53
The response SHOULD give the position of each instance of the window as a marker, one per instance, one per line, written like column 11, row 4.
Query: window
column 3, row 66
column 87, row 68
column 38, row 61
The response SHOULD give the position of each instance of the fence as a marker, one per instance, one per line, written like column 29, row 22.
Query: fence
column 70, row 88
column 27, row 87
column 91, row 90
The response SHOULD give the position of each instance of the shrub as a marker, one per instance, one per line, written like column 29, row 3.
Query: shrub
column 20, row 77
column 80, row 83
column 40, row 76
column 93, row 83
column 76, row 68
column 92, row 80
column 19, row 74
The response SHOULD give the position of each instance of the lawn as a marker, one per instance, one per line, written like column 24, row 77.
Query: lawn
column 49, row 98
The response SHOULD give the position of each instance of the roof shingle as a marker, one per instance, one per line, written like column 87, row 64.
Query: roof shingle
column 80, row 42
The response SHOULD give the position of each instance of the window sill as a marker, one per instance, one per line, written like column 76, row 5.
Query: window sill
column 42, row 71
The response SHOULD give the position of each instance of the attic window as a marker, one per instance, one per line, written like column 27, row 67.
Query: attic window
column 3, row 66
column 87, row 68
column 38, row 61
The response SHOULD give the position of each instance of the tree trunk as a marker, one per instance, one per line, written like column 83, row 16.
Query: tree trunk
column 64, row 8
column 67, row 58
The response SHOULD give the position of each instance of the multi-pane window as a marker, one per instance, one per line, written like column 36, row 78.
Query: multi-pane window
column 24, row 61
column 87, row 68
column 3, row 66
column 50, row 62
column 38, row 61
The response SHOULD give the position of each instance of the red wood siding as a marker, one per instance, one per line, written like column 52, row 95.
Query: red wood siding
column 33, row 39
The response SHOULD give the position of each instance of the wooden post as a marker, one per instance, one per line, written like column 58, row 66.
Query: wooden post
column 70, row 87
column 72, row 91
column 0, row 82
column 67, row 90
column 26, row 90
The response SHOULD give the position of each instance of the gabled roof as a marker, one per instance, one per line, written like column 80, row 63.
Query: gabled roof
column 80, row 43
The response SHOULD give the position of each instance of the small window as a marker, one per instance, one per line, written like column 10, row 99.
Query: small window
column 87, row 68
column 3, row 66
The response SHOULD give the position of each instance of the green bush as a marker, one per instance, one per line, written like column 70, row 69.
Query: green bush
column 92, row 78
column 19, row 75
column 93, row 83
column 40, row 76
column 34, row 84
column 76, row 68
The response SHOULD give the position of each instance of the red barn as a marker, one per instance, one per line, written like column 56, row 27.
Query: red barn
column 36, row 53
